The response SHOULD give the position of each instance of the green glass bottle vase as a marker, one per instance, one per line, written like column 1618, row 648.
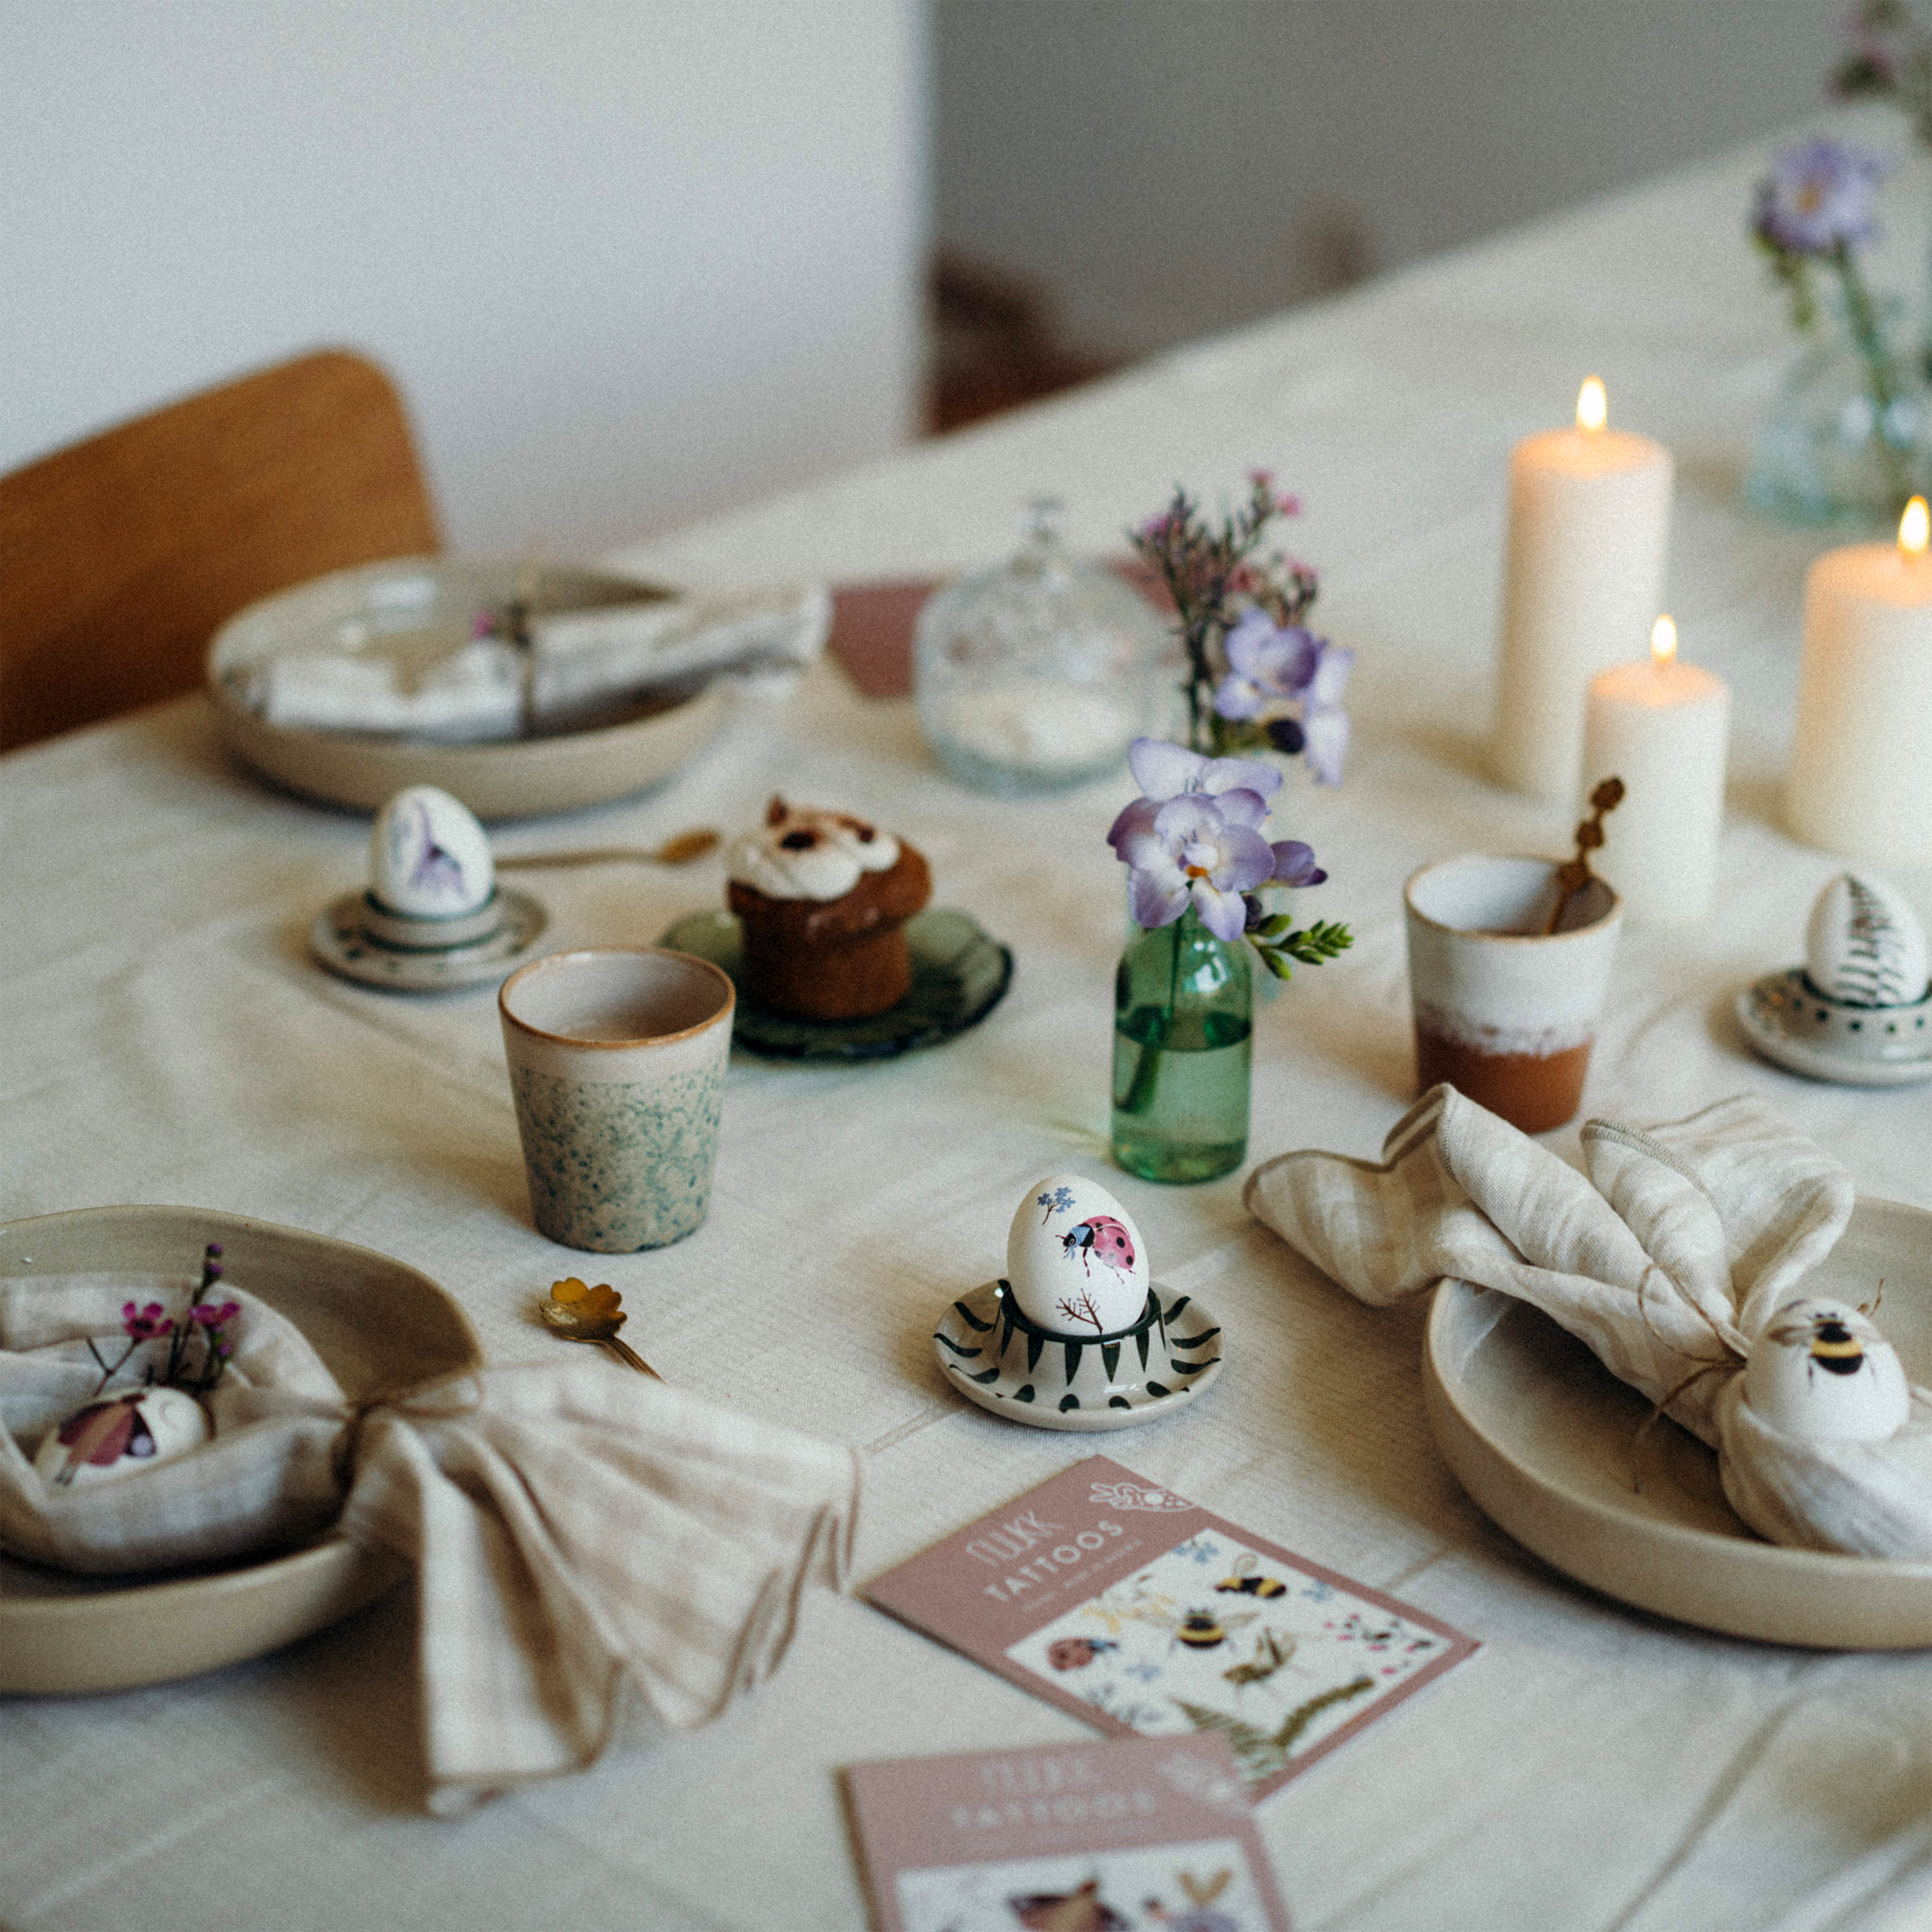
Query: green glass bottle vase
column 1183, row 1006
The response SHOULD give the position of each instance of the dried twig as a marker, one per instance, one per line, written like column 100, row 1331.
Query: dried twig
column 1574, row 874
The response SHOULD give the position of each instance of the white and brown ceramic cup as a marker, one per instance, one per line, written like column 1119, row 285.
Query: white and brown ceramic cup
column 616, row 1066
column 1505, row 1012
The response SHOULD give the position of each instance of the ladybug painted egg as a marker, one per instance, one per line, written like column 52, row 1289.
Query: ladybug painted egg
column 1075, row 1259
column 429, row 857
column 1820, row 1372
column 115, row 1434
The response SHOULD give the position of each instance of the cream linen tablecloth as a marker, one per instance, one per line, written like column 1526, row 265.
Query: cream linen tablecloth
column 165, row 1039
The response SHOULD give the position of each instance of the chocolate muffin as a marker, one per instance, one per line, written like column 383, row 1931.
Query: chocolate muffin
column 824, row 898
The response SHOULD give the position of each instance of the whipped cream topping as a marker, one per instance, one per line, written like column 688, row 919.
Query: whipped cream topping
column 798, row 853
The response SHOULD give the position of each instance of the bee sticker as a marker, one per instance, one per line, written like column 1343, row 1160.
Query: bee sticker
column 1245, row 1581
column 1201, row 1629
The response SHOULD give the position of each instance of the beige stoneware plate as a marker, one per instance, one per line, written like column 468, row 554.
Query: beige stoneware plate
column 1541, row 1434
column 376, row 1323
column 510, row 780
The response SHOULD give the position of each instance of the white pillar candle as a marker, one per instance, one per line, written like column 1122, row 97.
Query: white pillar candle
column 1663, row 728
column 1861, row 778
column 1589, row 525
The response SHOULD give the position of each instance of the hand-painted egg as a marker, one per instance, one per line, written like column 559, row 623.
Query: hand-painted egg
column 1865, row 946
column 1075, row 1259
column 428, row 857
column 1820, row 1372
column 116, row 1433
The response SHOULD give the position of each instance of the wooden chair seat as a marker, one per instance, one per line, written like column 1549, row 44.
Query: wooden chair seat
column 120, row 556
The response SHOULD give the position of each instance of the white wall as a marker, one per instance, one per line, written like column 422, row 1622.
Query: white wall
column 630, row 260
column 1168, row 168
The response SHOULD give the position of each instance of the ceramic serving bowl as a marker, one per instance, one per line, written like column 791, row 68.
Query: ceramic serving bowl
column 511, row 779
column 376, row 1322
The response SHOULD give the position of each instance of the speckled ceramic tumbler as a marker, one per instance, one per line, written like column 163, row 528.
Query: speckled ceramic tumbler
column 616, row 1066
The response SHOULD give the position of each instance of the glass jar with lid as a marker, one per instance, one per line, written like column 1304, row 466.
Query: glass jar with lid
column 1036, row 676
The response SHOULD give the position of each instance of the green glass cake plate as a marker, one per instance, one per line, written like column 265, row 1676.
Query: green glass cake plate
column 960, row 975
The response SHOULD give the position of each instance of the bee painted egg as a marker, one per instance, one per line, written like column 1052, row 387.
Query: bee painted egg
column 1865, row 946
column 1820, row 1372
column 115, row 1434
column 429, row 857
column 1075, row 1259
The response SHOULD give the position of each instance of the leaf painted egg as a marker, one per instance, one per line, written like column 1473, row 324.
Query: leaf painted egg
column 114, row 1434
column 1865, row 946
column 1075, row 1259
column 428, row 857
column 1820, row 1372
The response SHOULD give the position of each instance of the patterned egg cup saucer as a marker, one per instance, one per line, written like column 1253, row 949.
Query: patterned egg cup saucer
column 357, row 938
column 993, row 1355
column 1788, row 1020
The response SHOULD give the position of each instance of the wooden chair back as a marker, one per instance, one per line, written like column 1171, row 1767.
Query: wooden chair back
column 120, row 556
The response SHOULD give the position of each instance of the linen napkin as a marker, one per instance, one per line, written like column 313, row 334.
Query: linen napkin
column 585, row 1539
column 1672, row 1253
column 467, row 688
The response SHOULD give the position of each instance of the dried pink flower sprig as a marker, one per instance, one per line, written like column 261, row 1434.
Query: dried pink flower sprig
column 198, row 1344
column 1257, row 678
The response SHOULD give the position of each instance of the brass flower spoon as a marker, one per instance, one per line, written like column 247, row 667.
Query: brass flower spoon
column 680, row 851
column 578, row 1313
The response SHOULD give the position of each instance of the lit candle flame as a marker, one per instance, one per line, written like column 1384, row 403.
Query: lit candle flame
column 1593, row 406
column 1663, row 643
column 1914, row 528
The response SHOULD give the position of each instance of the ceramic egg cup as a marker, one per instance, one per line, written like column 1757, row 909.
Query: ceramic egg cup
column 1788, row 1020
column 993, row 1355
column 1860, row 1010
column 359, row 938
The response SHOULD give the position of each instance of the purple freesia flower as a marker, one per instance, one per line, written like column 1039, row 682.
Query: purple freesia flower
column 1288, row 671
column 1195, row 839
column 1265, row 664
column 1191, row 851
column 1819, row 196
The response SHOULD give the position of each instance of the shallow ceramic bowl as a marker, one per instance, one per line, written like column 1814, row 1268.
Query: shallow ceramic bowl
column 1541, row 1435
column 514, row 778
column 376, row 1322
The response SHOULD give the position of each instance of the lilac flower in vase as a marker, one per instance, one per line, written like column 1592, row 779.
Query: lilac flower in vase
column 1197, row 857
column 1846, row 440
column 1289, row 682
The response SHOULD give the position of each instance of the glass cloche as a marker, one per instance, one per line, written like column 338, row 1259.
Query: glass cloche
column 1036, row 676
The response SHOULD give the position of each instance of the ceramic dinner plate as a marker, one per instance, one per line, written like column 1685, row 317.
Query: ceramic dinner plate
column 960, row 975
column 376, row 1322
column 1541, row 1435
column 508, row 779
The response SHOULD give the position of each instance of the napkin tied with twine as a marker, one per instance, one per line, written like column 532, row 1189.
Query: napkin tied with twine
column 585, row 1539
column 1668, row 1258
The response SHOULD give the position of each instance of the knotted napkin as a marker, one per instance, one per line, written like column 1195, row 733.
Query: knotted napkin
column 583, row 1536
column 1668, row 1259
column 579, row 662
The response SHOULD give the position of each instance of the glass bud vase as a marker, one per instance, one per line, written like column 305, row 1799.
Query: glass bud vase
column 1183, row 1004
column 1827, row 454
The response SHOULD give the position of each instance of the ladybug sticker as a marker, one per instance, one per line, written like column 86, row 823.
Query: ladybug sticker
column 1100, row 1239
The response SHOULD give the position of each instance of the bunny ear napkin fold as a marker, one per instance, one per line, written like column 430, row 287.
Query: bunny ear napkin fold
column 584, row 1539
column 1667, row 1259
